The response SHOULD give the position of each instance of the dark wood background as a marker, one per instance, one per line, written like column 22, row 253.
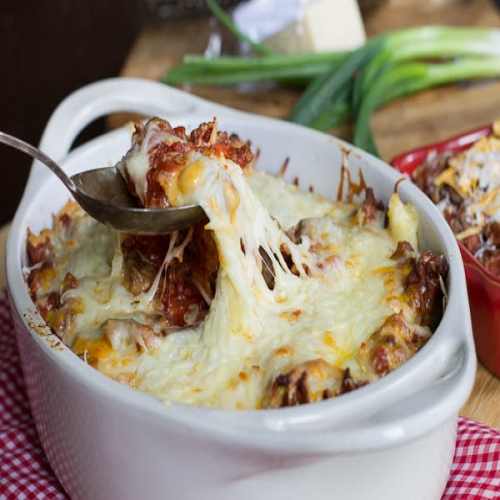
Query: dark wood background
column 48, row 49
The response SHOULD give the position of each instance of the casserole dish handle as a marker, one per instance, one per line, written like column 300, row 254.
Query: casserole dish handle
column 81, row 108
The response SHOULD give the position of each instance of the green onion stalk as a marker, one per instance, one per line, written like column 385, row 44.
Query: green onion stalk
column 412, row 77
column 389, row 50
column 226, row 70
column 228, row 22
column 268, row 66
column 349, row 86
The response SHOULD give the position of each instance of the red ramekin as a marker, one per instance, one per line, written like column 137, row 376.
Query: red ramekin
column 483, row 286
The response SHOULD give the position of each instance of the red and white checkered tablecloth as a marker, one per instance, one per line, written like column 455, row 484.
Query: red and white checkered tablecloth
column 26, row 474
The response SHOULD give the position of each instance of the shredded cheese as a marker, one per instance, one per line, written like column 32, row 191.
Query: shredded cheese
column 332, row 288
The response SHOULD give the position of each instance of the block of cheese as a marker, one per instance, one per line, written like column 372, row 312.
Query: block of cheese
column 324, row 25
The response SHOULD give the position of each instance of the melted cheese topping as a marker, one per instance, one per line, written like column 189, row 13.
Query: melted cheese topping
column 344, row 285
column 475, row 175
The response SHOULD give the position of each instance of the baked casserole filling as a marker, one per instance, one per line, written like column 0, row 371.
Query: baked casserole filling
column 465, row 186
column 280, row 297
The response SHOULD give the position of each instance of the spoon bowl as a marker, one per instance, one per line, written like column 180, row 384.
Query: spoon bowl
column 103, row 194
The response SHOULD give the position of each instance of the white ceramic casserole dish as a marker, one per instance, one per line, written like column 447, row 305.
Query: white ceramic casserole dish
column 392, row 439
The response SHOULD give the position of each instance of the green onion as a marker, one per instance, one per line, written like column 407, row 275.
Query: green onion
column 430, row 42
column 336, row 114
column 409, row 78
column 349, row 86
column 226, row 20
column 232, row 63
column 203, row 74
column 389, row 49
column 226, row 70
column 329, row 86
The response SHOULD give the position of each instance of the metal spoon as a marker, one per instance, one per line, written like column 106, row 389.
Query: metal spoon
column 103, row 194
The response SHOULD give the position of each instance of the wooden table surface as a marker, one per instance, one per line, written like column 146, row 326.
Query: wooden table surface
column 406, row 124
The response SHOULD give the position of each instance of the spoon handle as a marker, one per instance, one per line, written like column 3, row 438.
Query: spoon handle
column 30, row 150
